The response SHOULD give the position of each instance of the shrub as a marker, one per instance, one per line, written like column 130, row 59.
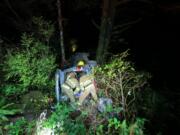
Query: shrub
column 115, row 126
column 119, row 80
column 31, row 66
column 44, row 29
column 5, row 111
column 11, row 90
column 66, row 120
column 21, row 126
column 123, row 128
column 63, row 122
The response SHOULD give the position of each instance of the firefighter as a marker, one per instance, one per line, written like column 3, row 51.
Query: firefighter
column 87, row 84
column 79, row 84
column 71, row 86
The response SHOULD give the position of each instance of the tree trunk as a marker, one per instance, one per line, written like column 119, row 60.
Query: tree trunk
column 108, row 12
column 60, row 22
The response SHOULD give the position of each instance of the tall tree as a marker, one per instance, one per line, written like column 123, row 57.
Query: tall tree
column 108, row 12
column 107, row 19
column 60, row 22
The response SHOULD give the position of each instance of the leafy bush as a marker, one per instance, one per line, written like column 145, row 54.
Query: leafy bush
column 21, row 126
column 6, row 110
column 9, row 90
column 18, row 127
column 66, row 120
column 123, row 128
column 30, row 66
column 117, row 127
column 44, row 29
column 64, row 123
column 119, row 80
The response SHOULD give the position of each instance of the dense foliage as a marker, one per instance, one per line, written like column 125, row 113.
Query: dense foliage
column 66, row 120
column 30, row 66
column 119, row 81
column 21, row 126
column 5, row 111
column 63, row 122
column 27, row 77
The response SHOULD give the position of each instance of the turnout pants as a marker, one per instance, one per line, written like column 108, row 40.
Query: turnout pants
column 87, row 87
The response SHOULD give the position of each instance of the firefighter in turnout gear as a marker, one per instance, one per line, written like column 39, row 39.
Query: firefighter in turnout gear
column 87, row 85
column 71, row 86
column 79, row 85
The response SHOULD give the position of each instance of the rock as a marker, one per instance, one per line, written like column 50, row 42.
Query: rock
column 40, row 129
column 103, row 103
column 34, row 102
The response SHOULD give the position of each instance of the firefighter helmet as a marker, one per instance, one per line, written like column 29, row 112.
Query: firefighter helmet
column 80, row 63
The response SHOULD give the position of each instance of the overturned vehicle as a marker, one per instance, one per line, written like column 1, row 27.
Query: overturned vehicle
column 77, row 83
